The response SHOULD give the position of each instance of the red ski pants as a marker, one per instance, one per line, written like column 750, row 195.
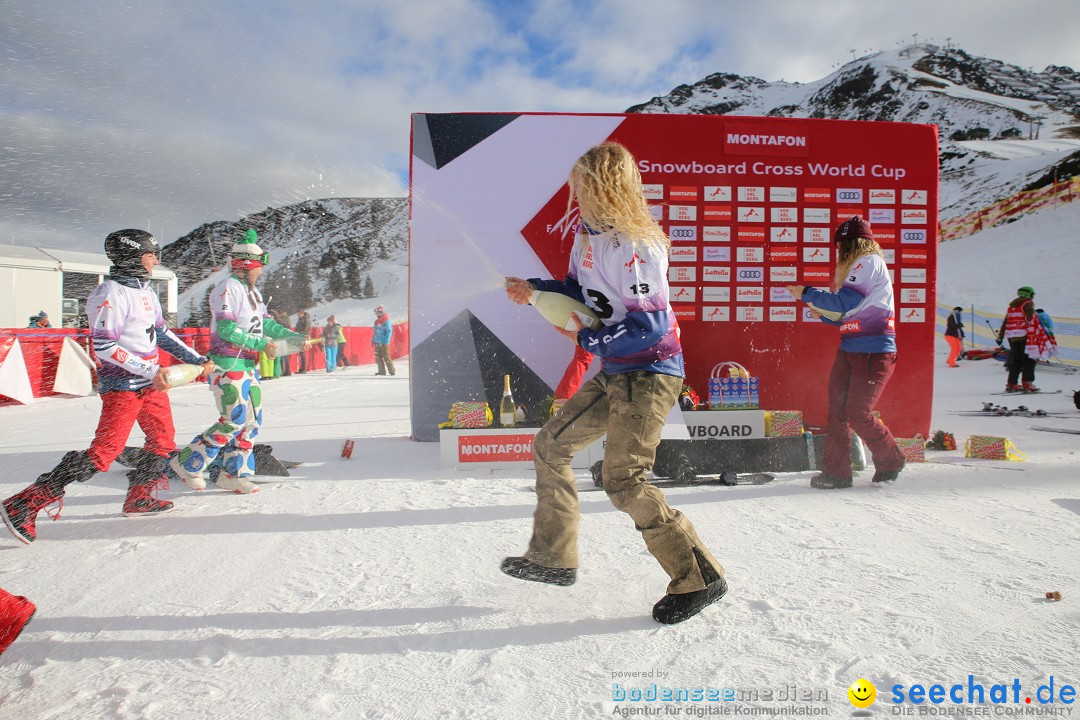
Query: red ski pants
column 855, row 385
column 120, row 410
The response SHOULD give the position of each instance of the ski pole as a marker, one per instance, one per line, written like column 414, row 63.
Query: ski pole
column 993, row 331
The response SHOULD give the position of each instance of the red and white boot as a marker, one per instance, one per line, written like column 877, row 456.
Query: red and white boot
column 15, row 612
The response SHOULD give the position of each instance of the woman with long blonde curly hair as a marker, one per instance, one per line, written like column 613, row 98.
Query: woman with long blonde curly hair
column 860, row 303
column 618, row 267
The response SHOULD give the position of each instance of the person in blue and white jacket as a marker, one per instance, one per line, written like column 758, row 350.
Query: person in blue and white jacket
column 860, row 303
column 618, row 267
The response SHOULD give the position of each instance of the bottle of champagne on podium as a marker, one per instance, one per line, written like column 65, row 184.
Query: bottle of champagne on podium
column 558, row 308
column 288, row 345
column 507, row 411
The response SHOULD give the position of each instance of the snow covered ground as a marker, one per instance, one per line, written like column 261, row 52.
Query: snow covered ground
column 369, row 588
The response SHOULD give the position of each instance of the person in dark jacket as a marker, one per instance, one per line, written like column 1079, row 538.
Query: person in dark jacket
column 954, row 333
column 303, row 327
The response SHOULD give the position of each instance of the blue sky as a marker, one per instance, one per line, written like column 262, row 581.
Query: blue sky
column 165, row 115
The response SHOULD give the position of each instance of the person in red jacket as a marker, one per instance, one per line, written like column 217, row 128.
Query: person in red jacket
column 15, row 612
column 1015, row 329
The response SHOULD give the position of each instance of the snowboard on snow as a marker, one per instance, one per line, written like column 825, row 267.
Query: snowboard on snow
column 724, row 480
column 1047, row 428
column 265, row 463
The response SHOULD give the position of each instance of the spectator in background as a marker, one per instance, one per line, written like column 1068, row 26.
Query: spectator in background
column 1044, row 318
column 860, row 304
column 283, row 364
column 380, row 340
column 303, row 327
column 342, row 360
column 330, row 343
column 954, row 333
column 41, row 320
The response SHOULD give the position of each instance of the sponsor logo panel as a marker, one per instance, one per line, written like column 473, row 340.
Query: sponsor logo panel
column 751, row 213
column 716, row 233
column 884, row 236
column 714, row 213
column 849, row 195
column 682, row 293
column 750, row 255
column 781, row 254
column 912, row 314
column 784, row 215
column 783, row 234
column 889, row 255
column 790, row 139
column 745, row 294
column 783, row 314
column 751, row 233
column 683, row 193
column 815, row 254
column 913, row 256
column 912, row 217
column 816, row 235
column 712, row 274
column 913, row 295
column 780, row 295
column 749, row 313
column 717, row 193
column 817, row 216
column 751, row 193
column 913, row 237
column 682, row 273
column 783, row 194
column 653, row 191
column 817, row 195
column 913, row 197
column 682, row 212
column 683, row 233
column 715, row 313
column 750, row 275
column 882, row 197
column 882, row 216
column 657, row 212
column 490, row 448
column 683, row 253
column 716, row 294
column 913, row 275
column 712, row 253
column 778, row 273
column 815, row 275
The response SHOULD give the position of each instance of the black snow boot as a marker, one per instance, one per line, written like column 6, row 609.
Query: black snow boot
column 74, row 467
column 143, row 484
column 523, row 569
column 675, row 608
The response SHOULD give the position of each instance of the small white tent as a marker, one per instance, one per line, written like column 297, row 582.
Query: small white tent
column 58, row 281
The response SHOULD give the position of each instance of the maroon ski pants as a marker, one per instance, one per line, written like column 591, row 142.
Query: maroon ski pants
column 855, row 384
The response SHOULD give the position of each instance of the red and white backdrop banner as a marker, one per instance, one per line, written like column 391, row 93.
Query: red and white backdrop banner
column 750, row 205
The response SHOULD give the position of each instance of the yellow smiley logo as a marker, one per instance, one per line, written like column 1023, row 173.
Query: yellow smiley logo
column 862, row 693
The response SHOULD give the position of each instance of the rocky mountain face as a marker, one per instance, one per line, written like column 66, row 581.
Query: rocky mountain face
column 971, row 99
column 321, row 248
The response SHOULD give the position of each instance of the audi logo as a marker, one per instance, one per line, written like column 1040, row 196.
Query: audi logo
column 751, row 274
column 683, row 233
column 913, row 235
column 849, row 195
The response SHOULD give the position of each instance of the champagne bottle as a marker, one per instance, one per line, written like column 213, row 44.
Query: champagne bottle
column 182, row 374
column 288, row 345
column 507, row 411
column 558, row 308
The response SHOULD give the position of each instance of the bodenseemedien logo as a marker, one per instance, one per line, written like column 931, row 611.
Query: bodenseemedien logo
column 862, row 693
